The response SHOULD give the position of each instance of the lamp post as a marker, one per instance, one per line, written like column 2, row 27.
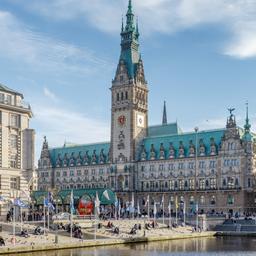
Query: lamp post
column 196, row 201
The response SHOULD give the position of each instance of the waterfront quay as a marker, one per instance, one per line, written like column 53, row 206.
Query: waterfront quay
column 102, row 236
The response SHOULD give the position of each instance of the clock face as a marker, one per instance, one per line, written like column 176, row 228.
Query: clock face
column 140, row 121
column 121, row 120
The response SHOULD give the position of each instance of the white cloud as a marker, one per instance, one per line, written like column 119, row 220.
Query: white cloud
column 49, row 94
column 39, row 51
column 61, row 124
column 165, row 16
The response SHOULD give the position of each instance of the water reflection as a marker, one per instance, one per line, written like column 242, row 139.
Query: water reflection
column 203, row 247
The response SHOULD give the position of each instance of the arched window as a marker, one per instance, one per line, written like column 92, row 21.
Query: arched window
column 249, row 182
column 230, row 200
column 202, row 200
column 122, row 96
column 207, row 183
column 117, row 97
column 213, row 200
column 191, row 200
column 224, row 182
column 126, row 95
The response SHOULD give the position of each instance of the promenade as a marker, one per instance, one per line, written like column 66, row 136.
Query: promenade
column 104, row 236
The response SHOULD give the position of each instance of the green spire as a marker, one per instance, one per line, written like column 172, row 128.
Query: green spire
column 164, row 122
column 130, row 43
column 247, row 125
column 130, row 18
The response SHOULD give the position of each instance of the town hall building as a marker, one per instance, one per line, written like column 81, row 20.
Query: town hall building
column 214, row 168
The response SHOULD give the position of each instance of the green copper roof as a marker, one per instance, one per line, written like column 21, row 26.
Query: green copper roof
column 163, row 130
column 79, row 149
column 185, row 138
column 7, row 89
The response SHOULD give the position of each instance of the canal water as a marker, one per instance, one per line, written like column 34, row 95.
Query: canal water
column 189, row 247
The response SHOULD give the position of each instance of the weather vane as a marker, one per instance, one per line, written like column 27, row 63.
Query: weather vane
column 231, row 110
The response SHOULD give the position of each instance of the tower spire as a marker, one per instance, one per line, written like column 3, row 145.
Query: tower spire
column 164, row 122
column 247, row 125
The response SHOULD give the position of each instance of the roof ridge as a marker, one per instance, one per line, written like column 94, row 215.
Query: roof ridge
column 157, row 125
column 81, row 145
column 186, row 133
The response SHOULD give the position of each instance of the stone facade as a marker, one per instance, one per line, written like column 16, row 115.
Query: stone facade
column 214, row 169
column 16, row 147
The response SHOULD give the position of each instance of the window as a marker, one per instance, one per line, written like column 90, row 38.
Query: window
column 117, row 96
column 152, row 167
column 161, row 167
column 71, row 173
column 191, row 165
column 171, row 184
column 101, row 171
column 181, row 166
column 57, row 174
column 201, row 184
column 14, row 121
column 1, row 98
column 93, row 172
column 230, row 200
column 171, row 167
column 231, row 182
column 15, row 183
column 181, row 184
column 191, row 200
column 126, row 95
column 79, row 173
column 212, row 164
column 213, row 200
column 249, row 182
column 191, row 184
column 13, row 161
column 65, row 174
column 202, row 200
column 201, row 164
column 13, row 141
column 213, row 183
column 9, row 99
column 85, row 172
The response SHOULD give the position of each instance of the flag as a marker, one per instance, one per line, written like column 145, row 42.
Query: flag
column 169, row 207
column 116, row 201
column 176, row 203
column 20, row 203
column 147, row 202
column 138, row 208
column 155, row 210
column 119, row 208
column 162, row 202
column 72, row 208
column 2, row 200
column 48, row 204
column 97, row 203
column 105, row 193
column 132, row 202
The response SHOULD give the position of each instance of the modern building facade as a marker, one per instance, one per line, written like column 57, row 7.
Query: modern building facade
column 16, row 147
column 214, row 168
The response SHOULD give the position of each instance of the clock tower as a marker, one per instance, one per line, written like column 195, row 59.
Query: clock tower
column 129, row 111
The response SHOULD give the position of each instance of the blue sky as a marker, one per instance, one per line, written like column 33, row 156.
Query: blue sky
column 199, row 56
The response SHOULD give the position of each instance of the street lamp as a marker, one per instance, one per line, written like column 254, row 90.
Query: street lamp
column 196, row 201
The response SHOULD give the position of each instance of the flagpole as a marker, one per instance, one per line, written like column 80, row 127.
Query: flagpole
column 148, row 210
column 184, row 212
column 170, row 214
column 163, row 209
column 176, row 206
column 20, row 219
column 14, row 213
column 44, row 216
column 48, row 219
column 71, row 213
